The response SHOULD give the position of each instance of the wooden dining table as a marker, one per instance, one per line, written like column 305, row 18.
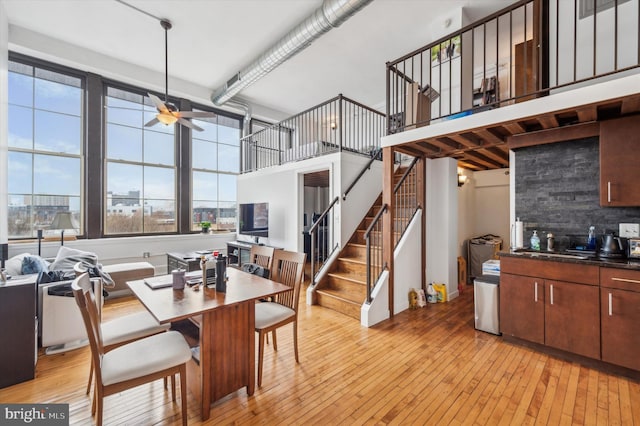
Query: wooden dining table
column 227, row 327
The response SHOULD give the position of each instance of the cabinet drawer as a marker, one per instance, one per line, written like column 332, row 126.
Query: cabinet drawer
column 624, row 279
column 561, row 271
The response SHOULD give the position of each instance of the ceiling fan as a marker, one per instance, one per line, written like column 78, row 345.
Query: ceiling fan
column 168, row 113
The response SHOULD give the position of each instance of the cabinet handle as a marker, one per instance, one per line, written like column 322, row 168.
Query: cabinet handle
column 551, row 290
column 535, row 291
column 609, row 191
column 625, row 280
column 610, row 305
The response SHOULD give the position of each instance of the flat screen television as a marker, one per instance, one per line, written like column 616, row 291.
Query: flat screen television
column 254, row 219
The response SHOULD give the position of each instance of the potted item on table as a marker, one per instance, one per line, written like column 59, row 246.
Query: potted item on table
column 205, row 225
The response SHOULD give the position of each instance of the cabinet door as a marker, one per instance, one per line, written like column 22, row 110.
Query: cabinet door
column 572, row 318
column 619, row 185
column 522, row 307
column 620, row 313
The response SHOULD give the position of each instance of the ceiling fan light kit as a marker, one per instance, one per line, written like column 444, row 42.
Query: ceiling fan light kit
column 168, row 114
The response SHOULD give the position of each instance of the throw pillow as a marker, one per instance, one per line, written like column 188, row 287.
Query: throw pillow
column 13, row 266
column 34, row 265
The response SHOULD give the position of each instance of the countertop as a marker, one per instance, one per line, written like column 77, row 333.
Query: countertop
column 563, row 257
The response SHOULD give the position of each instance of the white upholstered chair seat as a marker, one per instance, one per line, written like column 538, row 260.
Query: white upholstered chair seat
column 270, row 313
column 130, row 327
column 144, row 357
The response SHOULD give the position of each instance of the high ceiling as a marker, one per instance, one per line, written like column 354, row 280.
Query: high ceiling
column 212, row 40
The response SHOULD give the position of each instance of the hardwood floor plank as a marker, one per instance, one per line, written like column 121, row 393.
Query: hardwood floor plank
column 427, row 366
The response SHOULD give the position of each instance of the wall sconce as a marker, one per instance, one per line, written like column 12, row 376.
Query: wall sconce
column 333, row 125
column 462, row 179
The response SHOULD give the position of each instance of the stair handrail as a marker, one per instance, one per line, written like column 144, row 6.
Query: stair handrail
column 313, row 231
column 374, row 156
column 367, row 237
column 406, row 173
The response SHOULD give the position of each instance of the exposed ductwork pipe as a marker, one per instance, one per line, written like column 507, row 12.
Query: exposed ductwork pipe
column 246, row 108
column 330, row 15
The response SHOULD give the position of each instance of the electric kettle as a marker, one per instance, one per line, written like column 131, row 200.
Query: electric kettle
column 612, row 246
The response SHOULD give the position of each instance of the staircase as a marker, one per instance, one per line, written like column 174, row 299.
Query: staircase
column 344, row 287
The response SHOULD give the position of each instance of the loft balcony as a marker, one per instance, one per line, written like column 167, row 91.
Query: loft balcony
column 534, row 66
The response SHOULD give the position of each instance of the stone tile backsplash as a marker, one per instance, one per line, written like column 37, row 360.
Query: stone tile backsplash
column 557, row 190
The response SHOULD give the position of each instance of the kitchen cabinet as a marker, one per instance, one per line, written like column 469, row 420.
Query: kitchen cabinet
column 572, row 318
column 522, row 307
column 619, row 185
column 551, row 303
column 620, row 316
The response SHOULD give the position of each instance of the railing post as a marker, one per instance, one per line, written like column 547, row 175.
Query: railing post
column 421, row 202
column 388, row 218
column 341, row 127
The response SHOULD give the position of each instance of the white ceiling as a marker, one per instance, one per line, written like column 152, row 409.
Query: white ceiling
column 211, row 40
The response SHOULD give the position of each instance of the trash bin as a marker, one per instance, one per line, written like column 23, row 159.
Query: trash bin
column 486, row 298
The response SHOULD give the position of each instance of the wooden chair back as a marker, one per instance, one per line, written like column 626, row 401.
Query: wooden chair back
column 83, row 293
column 288, row 269
column 262, row 256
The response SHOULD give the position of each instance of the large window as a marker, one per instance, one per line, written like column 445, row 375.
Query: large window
column 215, row 163
column 140, row 167
column 45, row 148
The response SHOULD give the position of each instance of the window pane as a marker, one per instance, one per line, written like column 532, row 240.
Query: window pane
column 202, row 210
column 204, row 155
column 58, row 97
column 124, row 181
column 227, row 187
column 20, row 127
column 209, row 129
column 229, row 135
column 19, row 216
column 159, row 183
column 226, row 216
column 20, row 172
column 56, row 175
column 159, row 216
column 124, row 112
column 159, row 148
column 20, row 89
column 205, row 186
column 57, row 132
column 229, row 158
column 124, row 143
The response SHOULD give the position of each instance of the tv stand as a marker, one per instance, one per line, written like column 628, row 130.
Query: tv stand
column 238, row 252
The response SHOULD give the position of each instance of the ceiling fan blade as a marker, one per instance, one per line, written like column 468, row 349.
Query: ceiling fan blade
column 158, row 103
column 196, row 114
column 152, row 122
column 189, row 124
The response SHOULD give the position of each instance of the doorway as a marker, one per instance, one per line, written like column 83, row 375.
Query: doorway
column 315, row 201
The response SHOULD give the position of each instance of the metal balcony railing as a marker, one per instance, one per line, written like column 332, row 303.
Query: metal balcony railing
column 530, row 49
column 339, row 124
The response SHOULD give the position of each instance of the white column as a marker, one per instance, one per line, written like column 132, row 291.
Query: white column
column 4, row 62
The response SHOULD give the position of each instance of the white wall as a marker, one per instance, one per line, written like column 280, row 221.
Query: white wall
column 442, row 223
column 4, row 142
column 283, row 188
column 484, row 207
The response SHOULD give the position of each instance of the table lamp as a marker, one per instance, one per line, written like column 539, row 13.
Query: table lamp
column 62, row 221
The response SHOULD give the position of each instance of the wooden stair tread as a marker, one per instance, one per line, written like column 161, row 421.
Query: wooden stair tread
column 340, row 296
column 354, row 278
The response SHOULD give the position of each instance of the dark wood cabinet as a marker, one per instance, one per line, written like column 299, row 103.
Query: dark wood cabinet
column 18, row 337
column 551, row 303
column 620, row 317
column 522, row 307
column 619, row 185
column 572, row 318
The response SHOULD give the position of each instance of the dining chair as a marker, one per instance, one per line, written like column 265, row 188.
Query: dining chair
column 123, row 329
column 132, row 364
column 288, row 269
column 261, row 256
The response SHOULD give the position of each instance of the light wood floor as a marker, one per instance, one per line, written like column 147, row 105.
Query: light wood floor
column 427, row 366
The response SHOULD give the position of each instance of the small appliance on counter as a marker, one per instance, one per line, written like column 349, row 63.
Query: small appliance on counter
column 612, row 246
column 634, row 248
